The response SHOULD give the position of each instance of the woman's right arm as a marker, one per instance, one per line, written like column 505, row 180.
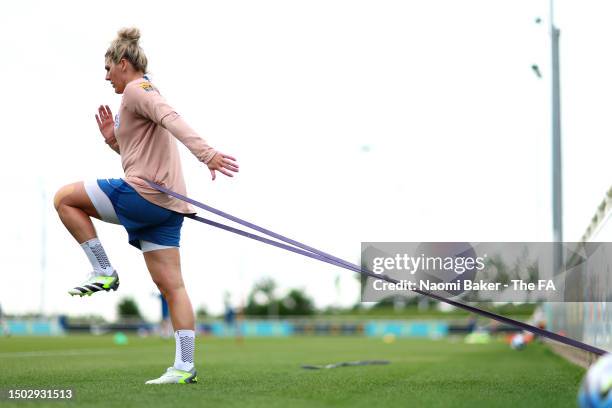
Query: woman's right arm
column 114, row 145
column 106, row 124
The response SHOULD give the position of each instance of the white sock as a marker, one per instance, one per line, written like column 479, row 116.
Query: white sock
column 96, row 255
column 185, row 347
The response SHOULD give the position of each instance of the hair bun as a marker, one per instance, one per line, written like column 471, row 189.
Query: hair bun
column 129, row 34
column 125, row 45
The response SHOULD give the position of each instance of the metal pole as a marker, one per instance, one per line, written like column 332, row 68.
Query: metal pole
column 43, row 247
column 557, row 187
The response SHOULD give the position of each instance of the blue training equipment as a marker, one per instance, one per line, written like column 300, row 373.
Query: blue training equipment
column 595, row 391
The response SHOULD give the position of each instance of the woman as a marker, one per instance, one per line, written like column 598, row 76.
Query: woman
column 142, row 134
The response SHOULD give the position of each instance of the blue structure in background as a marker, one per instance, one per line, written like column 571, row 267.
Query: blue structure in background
column 34, row 327
column 254, row 328
column 165, row 311
column 427, row 329
column 280, row 328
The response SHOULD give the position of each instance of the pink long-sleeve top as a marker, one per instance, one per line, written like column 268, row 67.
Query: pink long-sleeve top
column 144, row 129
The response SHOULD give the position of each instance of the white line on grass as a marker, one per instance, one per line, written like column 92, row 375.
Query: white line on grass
column 75, row 352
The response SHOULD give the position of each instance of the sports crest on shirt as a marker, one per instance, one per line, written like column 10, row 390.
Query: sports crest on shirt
column 147, row 86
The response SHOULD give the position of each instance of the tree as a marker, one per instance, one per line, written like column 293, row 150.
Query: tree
column 128, row 308
column 296, row 303
column 261, row 300
column 201, row 312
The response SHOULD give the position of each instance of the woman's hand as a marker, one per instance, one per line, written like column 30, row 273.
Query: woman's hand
column 223, row 164
column 106, row 124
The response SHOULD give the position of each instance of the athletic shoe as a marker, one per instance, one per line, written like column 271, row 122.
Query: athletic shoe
column 174, row 376
column 96, row 283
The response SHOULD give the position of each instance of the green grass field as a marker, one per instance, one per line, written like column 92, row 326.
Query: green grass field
column 267, row 373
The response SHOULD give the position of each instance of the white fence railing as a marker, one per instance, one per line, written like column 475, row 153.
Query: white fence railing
column 590, row 322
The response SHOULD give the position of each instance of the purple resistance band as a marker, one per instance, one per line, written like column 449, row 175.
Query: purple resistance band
column 311, row 252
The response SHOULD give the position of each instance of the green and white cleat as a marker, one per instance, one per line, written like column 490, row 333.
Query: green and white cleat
column 96, row 283
column 174, row 376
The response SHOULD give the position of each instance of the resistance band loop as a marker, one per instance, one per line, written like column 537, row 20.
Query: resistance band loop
column 314, row 253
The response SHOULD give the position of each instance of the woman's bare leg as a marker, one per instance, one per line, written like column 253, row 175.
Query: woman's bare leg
column 165, row 268
column 75, row 209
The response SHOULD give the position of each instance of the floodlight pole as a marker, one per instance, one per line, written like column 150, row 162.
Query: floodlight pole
column 43, row 245
column 557, row 181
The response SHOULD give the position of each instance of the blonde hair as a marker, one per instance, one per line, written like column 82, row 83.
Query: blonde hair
column 126, row 46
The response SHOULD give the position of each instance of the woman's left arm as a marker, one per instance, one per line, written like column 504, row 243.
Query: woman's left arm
column 146, row 100
column 215, row 160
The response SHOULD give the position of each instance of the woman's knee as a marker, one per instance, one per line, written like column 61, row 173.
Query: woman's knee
column 165, row 268
column 62, row 194
column 169, row 287
column 74, row 195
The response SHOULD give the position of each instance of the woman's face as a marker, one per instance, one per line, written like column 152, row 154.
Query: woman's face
column 116, row 74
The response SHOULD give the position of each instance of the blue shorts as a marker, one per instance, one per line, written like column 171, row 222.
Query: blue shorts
column 143, row 220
